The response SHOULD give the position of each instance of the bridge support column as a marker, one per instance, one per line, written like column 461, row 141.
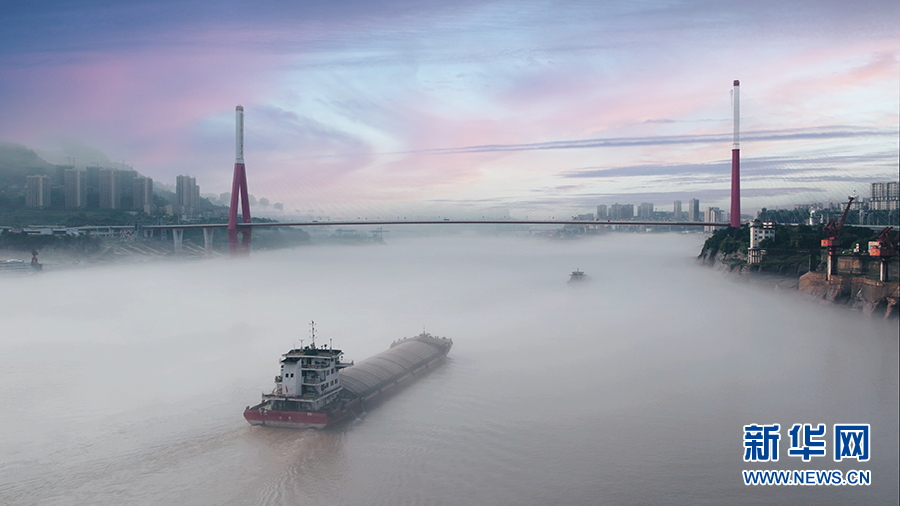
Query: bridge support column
column 208, row 239
column 177, row 235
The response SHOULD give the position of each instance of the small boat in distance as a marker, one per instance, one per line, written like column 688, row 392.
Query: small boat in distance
column 577, row 275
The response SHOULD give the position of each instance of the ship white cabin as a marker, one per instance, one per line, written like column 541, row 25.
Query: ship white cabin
column 309, row 379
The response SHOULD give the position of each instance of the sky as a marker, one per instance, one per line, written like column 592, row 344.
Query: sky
column 387, row 108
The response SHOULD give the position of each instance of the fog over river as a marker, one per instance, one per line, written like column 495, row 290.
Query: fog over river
column 126, row 384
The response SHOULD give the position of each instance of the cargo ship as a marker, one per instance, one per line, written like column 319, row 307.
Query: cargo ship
column 316, row 389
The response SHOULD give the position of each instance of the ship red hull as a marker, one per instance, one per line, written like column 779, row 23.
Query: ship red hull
column 286, row 419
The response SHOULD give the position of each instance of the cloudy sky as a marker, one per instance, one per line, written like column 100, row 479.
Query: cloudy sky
column 456, row 108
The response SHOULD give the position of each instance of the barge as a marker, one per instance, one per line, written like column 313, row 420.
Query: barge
column 316, row 389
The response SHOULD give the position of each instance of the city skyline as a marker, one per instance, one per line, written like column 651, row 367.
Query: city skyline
column 532, row 109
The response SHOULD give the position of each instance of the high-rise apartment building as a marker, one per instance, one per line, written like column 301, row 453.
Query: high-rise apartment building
column 108, row 189
column 124, row 178
column 713, row 215
column 694, row 210
column 645, row 210
column 621, row 212
column 187, row 194
column 676, row 211
column 142, row 194
column 601, row 212
column 75, row 188
column 885, row 196
column 37, row 191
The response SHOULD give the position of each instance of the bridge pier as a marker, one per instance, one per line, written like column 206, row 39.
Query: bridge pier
column 208, row 239
column 177, row 235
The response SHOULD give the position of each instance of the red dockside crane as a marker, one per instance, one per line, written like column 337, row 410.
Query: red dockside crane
column 832, row 240
column 884, row 248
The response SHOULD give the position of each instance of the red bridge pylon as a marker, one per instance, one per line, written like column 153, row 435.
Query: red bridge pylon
column 239, row 188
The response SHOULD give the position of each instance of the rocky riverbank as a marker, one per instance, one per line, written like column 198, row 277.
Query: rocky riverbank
column 858, row 292
column 872, row 297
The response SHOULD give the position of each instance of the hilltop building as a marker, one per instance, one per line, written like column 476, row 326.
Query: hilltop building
column 758, row 233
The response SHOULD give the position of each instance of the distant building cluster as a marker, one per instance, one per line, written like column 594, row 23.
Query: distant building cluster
column 98, row 187
column 225, row 200
column 647, row 211
column 884, row 196
column 92, row 188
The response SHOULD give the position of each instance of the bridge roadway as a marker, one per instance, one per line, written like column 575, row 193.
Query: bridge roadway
column 439, row 222
column 208, row 228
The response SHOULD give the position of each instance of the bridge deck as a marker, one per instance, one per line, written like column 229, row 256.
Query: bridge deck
column 443, row 222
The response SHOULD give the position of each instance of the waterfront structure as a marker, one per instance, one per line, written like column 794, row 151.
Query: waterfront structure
column 885, row 196
column 142, row 194
column 37, row 191
column 694, row 210
column 109, row 189
column 75, row 188
column 601, row 212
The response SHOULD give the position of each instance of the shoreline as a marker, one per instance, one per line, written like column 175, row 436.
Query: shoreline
column 877, row 299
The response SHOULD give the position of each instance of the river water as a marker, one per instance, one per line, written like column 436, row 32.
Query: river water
column 125, row 384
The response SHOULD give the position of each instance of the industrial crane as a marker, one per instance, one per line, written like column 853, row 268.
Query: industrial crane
column 832, row 239
column 833, row 229
column 884, row 248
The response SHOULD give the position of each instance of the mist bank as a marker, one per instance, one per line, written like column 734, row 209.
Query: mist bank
column 131, row 380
